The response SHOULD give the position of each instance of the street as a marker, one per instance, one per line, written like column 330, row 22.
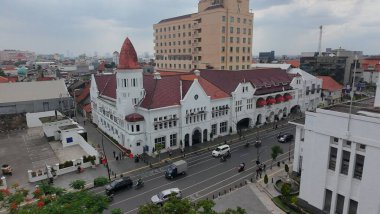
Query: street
column 206, row 175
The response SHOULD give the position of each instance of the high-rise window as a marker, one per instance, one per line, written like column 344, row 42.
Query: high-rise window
column 223, row 18
column 232, row 19
column 231, row 29
column 223, row 29
column 231, row 39
column 353, row 208
column 222, row 59
column 238, row 30
column 359, row 163
column 339, row 204
column 238, row 20
column 223, row 39
column 345, row 162
column 327, row 204
column 333, row 155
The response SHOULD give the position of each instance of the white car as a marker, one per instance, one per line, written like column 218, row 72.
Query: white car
column 221, row 150
column 164, row 195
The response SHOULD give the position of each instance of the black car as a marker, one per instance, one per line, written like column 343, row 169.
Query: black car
column 119, row 184
column 284, row 138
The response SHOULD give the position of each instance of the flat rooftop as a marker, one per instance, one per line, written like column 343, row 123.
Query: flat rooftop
column 364, row 105
column 298, row 121
column 68, row 127
column 50, row 119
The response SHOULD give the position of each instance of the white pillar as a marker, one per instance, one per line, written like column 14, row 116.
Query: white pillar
column 3, row 183
column 377, row 96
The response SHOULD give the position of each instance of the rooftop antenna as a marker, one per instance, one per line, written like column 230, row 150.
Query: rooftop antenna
column 320, row 41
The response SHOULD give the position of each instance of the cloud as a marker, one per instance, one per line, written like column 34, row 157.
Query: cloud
column 86, row 26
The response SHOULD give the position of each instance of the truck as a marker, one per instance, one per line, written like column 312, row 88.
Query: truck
column 175, row 169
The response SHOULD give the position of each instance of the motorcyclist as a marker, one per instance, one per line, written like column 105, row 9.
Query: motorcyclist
column 139, row 182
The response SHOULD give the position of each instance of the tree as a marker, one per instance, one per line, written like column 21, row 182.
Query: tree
column 285, row 191
column 266, row 180
column 117, row 211
column 276, row 150
column 83, row 202
column 159, row 147
column 175, row 205
column 77, row 184
column 2, row 73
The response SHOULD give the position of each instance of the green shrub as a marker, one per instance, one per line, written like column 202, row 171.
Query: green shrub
column 100, row 181
column 116, row 211
column 77, row 184
column 68, row 164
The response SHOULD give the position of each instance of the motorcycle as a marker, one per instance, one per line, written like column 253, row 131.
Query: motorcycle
column 139, row 184
column 247, row 144
column 241, row 167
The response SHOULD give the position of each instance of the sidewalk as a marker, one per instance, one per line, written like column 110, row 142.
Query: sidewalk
column 128, row 167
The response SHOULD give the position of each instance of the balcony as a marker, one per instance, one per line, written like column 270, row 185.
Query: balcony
column 196, row 35
column 195, row 44
column 196, row 26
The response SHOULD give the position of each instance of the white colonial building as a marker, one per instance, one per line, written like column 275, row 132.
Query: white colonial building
column 181, row 109
column 337, row 155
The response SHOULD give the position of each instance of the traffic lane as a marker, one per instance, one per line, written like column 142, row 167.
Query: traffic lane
column 200, row 190
column 194, row 181
column 164, row 184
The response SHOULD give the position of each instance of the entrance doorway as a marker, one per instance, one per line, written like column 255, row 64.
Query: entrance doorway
column 197, row 137
column 187, row 136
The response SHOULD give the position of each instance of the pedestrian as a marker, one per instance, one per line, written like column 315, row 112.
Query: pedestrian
column 265, row 166
column 114, row 154
column 117, row 157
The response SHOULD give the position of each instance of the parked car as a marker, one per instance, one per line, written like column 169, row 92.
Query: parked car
column 284, row 138
column 164, row 195
column 119, row 184
column 221, row 150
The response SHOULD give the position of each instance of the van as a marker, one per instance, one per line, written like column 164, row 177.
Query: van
column 221, row 150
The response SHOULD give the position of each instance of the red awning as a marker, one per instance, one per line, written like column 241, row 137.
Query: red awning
column 261, row 103
column 280, row 99
column 271, row 101
column 134, row 117
column 288, row 97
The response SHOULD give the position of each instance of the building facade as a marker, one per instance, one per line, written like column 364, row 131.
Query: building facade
column 180, row 110
column 218, row 36
column 331, row 91
column 337, row 154
column 17, row 55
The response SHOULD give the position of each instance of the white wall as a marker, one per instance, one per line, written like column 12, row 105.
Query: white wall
column 33, row 119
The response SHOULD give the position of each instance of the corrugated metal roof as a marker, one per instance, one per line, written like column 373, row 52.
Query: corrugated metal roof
column 30, row 91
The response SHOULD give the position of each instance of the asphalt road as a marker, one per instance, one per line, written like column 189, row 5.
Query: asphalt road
column 206, row 175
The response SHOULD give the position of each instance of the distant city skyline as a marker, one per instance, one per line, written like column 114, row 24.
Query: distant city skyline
column 285, row 26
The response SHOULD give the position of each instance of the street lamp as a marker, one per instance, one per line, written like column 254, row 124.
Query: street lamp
column 257, row 146
column 105, row 156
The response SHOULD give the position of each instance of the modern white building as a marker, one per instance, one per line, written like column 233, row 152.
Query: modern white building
column 182, row 109
column 309, row 90
column 337, row 155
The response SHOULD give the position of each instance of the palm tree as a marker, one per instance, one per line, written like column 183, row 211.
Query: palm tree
column 276, row 150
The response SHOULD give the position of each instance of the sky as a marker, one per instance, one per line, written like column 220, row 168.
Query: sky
column 89, row 26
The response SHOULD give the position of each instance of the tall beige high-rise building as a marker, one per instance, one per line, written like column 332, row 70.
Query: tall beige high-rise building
column 219, row 36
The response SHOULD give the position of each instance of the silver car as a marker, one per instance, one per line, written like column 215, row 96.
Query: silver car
column 164, row 195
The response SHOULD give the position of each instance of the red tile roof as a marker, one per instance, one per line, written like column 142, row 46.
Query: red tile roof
column 84, row 94
column 106, row 85
column 294, row 62
column 216, row 84
column 330, row 84
column 265, row 81
column 8, row 79
column 128, row 56
column 87, row 108
column 374, row 63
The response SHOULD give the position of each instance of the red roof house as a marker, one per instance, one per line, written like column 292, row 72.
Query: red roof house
column 330, row 84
